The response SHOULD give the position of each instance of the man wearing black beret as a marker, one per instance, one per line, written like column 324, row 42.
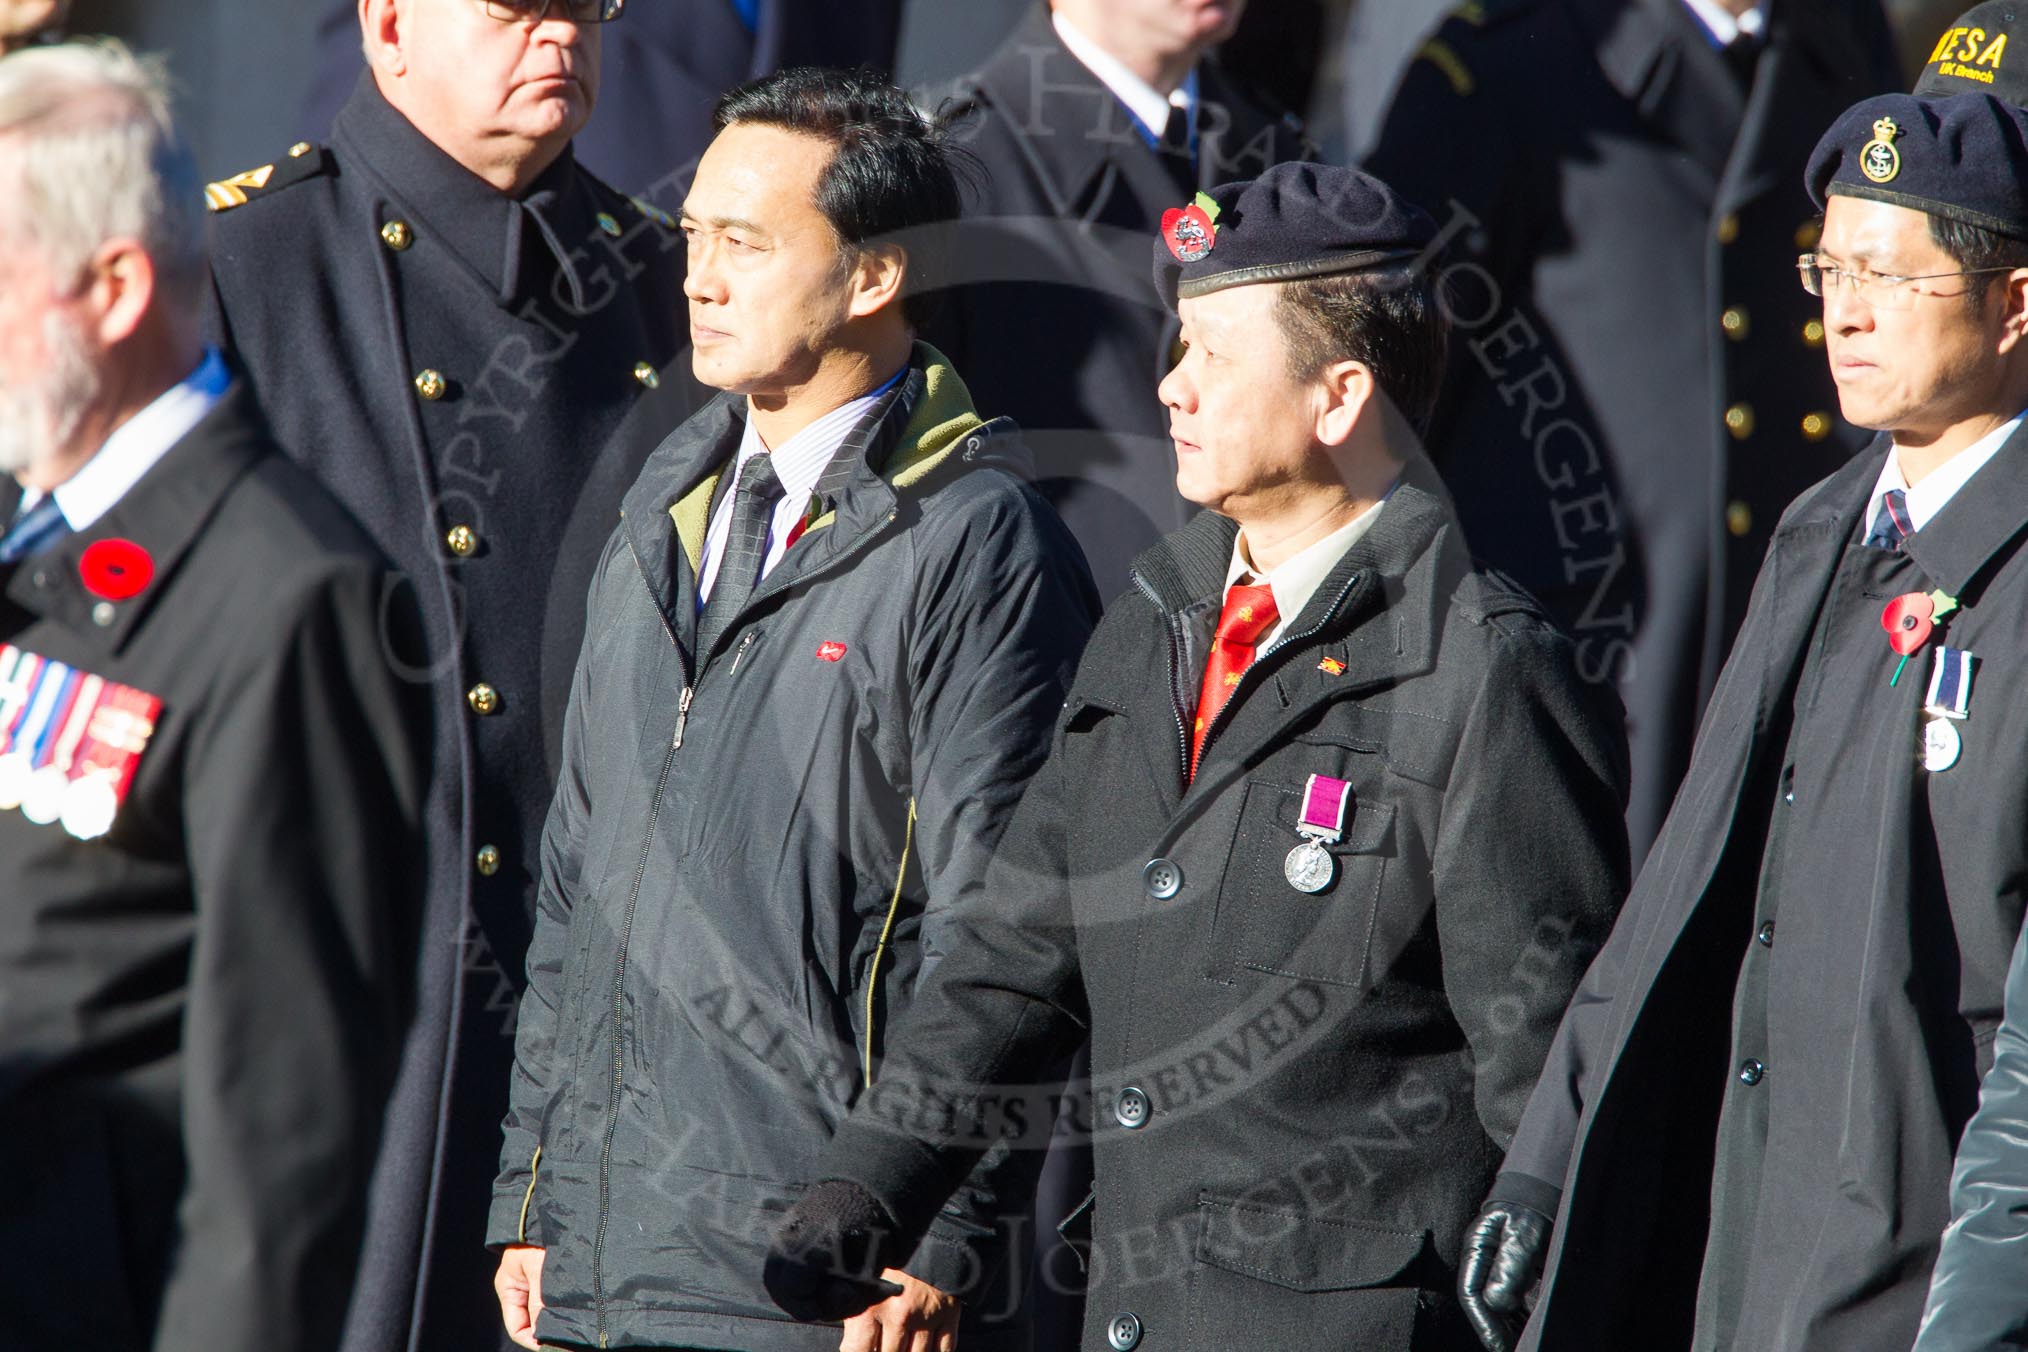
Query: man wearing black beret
column 1329, row 831
column 1746, row 1125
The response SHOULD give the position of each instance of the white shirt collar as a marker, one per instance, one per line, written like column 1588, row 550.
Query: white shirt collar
column 1941, row 484
column 136, row 444
column 799, row 463
column 1149, row 105
column 1724, row 26
column 1299, row 575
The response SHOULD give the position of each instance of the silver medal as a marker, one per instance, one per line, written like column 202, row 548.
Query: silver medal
column 1941, row 745
column 1309, row 867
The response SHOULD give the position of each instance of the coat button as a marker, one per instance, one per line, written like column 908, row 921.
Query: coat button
column 484, row 699
column 103, row 614
column 1816, row 426
column 1734, row 322
column 462, row 541
column 1728, row 229
column 1813, row 333
column 1738, row 518
column 487, row 861
column 1162, row 878
column 1751, row 1071
column 1766, row 935
column 429, row 383
column 1130, row 1109
column 1123, row 1332
column 646, row 375
column 1739, row 421
column 396, row 235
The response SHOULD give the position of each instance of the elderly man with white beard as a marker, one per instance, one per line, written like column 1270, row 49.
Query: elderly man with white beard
column 210, row 776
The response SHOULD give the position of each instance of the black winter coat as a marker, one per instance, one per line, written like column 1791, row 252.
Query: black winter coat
column 480, row 402
column 1638, row 384
column 1299, row 1097
column 751, row 858
column 1052, row 318
column 201, row 1010
column 1900, row 898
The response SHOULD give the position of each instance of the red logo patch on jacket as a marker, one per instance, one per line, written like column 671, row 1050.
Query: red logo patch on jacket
column 830, row 650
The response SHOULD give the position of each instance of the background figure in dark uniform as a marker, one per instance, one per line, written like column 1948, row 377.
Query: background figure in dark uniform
column 1640, row 389
column 470, row 340
column 1090, row 122
column 1328, row 832
column 211, row 778
column 664, row 69
column 1749, row 1113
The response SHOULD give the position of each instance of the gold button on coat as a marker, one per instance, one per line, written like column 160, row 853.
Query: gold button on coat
column 1816, row 426
column 1813, row 333
column 1728, row 229
column 1738, row 517
column 1739, row 421
column 646, row 375
column 396, row 235
column 487, row 861
column 484, row 699
column 429, row 383
column 462, row 541
column 1734, row 322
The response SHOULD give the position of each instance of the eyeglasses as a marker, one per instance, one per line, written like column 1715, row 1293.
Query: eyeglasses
column 1881, row 290
column 535, row 11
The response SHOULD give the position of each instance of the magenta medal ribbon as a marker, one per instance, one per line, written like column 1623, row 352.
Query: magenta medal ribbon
column 1310, row 867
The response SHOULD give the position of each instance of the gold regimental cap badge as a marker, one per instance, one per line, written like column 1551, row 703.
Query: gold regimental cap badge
column 1878, row 159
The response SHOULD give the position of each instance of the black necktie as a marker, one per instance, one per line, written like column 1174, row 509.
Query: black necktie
column 746, row 547
column 1742, row 54
column 1890, row 523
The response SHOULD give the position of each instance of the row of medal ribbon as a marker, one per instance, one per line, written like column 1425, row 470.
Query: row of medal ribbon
column 70, row 742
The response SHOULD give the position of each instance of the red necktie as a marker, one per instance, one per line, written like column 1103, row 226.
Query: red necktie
column 1249, row 612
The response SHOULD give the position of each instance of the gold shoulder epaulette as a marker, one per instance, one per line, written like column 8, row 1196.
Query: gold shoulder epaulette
column 304, row 161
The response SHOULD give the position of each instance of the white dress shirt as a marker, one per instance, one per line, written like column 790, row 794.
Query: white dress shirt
column 799, row 463
column 1299, row 575
column 135, row 445
column 1149, row 105
column 1724, row 25
column 1941, row 484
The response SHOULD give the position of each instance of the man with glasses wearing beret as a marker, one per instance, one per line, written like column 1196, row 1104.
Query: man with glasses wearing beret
column 470, row 341
column 1745, row 1128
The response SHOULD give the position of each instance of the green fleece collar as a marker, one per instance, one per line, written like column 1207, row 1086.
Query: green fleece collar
column 942, row 419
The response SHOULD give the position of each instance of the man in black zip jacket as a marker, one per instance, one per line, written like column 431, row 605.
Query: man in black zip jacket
column 822, row 653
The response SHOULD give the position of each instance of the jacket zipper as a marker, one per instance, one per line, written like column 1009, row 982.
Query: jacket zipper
column 1257, row 664
column 744, row 643
column 1175, row 665
column 619, row 992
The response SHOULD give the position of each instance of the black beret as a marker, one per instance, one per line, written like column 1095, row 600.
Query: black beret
column 1981, row 53
column 1964, row 157
column 1296, row 220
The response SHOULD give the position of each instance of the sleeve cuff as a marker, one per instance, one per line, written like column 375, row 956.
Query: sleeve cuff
column 511, row 1200
column 1526, row 1190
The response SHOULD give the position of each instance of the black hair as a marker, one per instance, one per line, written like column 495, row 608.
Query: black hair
column 1392, row 321
column 891, row 177
column 1972, row 248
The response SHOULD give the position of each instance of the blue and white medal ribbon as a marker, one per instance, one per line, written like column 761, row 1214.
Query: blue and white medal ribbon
column 1948, row 703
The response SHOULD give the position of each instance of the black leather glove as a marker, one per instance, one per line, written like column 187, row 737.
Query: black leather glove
column 826, row 1260
column 1503, row 1257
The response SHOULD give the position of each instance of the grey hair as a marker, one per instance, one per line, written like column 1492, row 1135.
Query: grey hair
column 89, row 152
